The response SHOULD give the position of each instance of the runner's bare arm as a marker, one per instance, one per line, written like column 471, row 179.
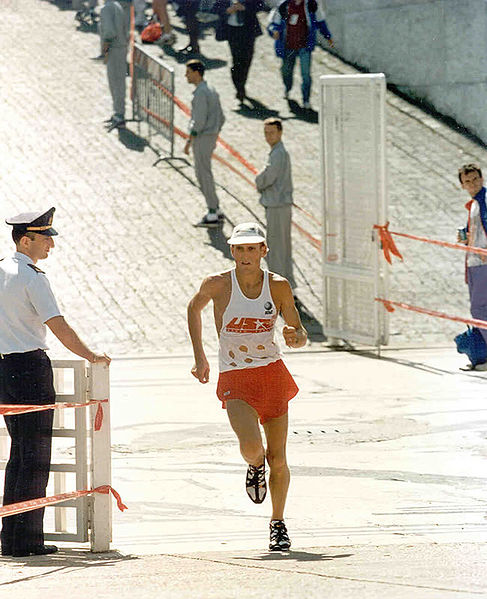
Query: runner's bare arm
column 294, row 333
column 201, row 368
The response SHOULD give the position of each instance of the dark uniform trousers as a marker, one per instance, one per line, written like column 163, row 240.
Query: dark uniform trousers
column 26, row 378
column 242, row 49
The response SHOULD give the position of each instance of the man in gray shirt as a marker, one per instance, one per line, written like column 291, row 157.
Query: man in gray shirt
column 207, row 119
column 275, row 185
column 114, row 38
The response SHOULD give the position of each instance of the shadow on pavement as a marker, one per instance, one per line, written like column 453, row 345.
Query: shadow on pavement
column 303, row 114
column 64, row 559
column 219, row 241
column 402, row 362
column 298, row 556
column 62, row 4
column 182, row 57
column 131, row 140
column 312, row 325
column 256, row 110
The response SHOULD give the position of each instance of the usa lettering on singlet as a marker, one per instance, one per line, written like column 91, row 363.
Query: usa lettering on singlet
column 247, row 333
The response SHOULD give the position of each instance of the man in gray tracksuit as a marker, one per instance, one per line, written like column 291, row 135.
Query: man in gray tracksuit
column 274, row 182
column 207, row 119
column 114, row 37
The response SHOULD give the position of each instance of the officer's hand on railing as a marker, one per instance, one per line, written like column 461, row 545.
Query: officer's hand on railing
column 97, row 358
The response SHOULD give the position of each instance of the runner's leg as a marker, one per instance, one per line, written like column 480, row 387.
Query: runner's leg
column 276, row 435
column 245, row 422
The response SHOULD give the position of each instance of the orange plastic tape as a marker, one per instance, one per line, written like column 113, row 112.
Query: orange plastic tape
column 389, row 247
column 389, row 305
column 34, row 504
column 14, row 409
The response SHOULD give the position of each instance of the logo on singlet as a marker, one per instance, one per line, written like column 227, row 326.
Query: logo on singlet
column 249, row 325
column 268, row 308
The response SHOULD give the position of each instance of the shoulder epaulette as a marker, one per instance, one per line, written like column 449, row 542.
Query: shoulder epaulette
column 34, row 267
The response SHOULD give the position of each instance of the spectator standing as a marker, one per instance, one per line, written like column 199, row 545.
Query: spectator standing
column 293, row 25
column 238, row 24
column 472, row 182
column 27, row 304
column 207, row 119
column 114, row 36
column 274, row 183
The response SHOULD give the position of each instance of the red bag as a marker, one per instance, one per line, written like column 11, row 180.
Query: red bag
column 151, row 33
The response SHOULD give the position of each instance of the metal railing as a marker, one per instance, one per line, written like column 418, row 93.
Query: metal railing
column 152, row 98
column 91, row 466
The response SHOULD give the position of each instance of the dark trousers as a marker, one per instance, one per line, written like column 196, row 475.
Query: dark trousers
column 242, row 49
column 26, row 379
column 477, row 287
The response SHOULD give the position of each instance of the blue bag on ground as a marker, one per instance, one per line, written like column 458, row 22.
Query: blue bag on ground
column 473, row 344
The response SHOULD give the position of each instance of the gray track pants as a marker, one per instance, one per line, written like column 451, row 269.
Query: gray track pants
column 279, row 258
column 203, row 146
column 116, row 72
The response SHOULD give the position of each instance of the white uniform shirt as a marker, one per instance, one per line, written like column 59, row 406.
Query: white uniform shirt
column 26, row 303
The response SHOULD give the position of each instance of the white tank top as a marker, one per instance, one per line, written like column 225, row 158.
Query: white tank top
column 247, row 333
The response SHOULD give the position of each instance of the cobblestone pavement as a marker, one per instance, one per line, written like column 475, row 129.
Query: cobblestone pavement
column 128, row 257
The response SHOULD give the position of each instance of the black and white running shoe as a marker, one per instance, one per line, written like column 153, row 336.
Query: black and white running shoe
column 279, row 539
column 255, row 483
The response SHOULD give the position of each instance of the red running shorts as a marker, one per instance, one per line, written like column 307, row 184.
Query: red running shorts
column 267, row 389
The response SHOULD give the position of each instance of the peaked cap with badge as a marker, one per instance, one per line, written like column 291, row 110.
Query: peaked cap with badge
column 34, row 222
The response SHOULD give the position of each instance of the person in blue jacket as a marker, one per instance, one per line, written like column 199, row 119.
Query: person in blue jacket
column 293, row 25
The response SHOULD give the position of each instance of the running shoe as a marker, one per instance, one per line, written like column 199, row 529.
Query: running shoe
column 255, row 483
column 279, row 539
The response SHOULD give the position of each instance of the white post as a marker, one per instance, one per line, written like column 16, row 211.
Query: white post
column 101, row 513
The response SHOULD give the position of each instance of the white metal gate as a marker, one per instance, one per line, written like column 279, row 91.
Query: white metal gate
column 352, row 128
column 85, row 456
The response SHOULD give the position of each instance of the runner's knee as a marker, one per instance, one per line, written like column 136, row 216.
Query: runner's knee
column 252, row 451
column 276, row 460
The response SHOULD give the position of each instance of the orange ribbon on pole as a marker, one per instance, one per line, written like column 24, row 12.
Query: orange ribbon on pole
column 34, row 504
column 387, row 243
column 15, row 409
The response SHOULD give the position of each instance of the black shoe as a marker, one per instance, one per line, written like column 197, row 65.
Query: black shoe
column 209, row 223
column 255, row 483
column 279, row 539
column 189, row 50
column 36, row 550
column 6, row 551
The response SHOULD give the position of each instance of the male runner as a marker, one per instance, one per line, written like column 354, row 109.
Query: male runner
column 254, row 385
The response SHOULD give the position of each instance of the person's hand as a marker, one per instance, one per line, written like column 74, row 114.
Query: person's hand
column 290, row 335
column 276, row 35
column 97, row 358
column 201, row 370
column 187, row 147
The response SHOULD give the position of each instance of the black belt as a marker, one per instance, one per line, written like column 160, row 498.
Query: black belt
column 18, row 355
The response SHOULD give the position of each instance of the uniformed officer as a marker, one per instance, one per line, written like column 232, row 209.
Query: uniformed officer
column 27, row 304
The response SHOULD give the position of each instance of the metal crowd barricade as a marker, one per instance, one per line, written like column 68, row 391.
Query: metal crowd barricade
column 152, row 97
column 86, row 456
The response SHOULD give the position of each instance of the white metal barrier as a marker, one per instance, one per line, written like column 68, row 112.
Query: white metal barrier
column 352, row 129
column 89, row 453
